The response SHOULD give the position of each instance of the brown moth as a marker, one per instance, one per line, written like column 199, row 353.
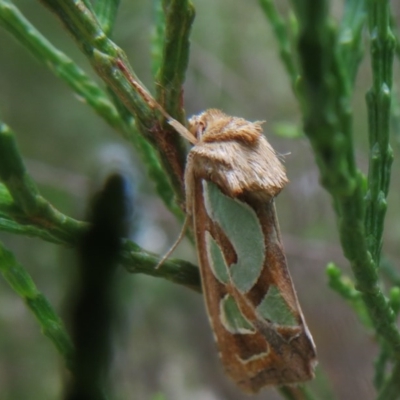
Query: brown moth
column 232, row 176
column 231, row 179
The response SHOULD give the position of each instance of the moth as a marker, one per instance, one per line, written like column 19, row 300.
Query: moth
column 231, row 178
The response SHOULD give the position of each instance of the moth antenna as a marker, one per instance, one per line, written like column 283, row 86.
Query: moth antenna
column 181, row 129
column 175, row 245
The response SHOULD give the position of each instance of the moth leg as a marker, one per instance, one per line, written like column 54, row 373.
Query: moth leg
column 177, row 241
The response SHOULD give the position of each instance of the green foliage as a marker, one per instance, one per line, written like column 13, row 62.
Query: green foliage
column 321, row 57
column 51, row 325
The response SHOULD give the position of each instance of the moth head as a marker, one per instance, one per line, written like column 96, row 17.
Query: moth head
column 214, row 126
column 198, row 124
column 197, row 127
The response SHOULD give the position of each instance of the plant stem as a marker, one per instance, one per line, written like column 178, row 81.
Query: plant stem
column 112, row 65
column 88, row 90
column 179, row 16
column 51, row 325
column 62, row 66
column 106, row 13
column 178, row 19
column 379, row 101
column 345, row 288
column 137, row 260
column 157, row 37
column 26, row 196
column 27, row 212
column 382, row 49
column 282, row 39
column 350, row 36
column 325, row 101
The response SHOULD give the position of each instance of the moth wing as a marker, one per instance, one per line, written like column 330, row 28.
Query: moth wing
column 254, row 350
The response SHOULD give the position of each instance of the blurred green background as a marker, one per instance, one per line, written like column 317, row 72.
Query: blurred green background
column 163, row 345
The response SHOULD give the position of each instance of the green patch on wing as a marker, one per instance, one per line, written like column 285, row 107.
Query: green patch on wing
column 243, row 229
column 232, row 318
column 217, row 262
column 274, row 308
